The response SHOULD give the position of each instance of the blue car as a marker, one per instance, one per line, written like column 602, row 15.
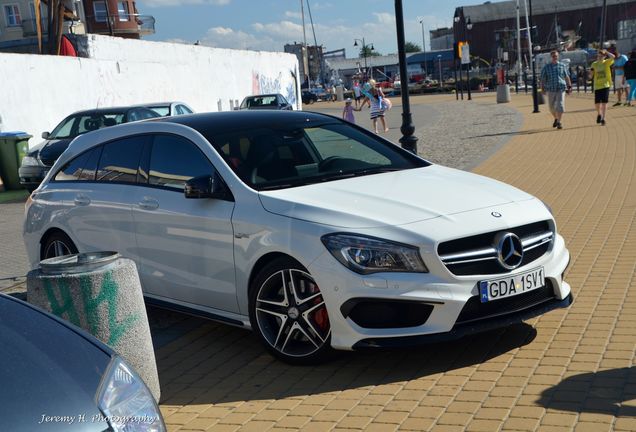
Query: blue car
column 56, row 377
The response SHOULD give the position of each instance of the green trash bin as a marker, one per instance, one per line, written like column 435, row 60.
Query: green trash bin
column 13, row 147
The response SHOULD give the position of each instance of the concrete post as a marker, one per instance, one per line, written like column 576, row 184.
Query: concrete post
column 101, row 293
column 503, row 93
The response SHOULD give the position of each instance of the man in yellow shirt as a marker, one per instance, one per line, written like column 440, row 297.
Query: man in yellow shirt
column 602, row 78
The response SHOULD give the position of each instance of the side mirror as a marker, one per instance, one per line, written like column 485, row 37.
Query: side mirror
column 207, row 186
column 46, row 135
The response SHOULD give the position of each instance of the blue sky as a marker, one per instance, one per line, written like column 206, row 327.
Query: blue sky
column 269, row 24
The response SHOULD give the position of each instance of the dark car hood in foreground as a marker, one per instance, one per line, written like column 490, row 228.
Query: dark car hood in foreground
column 49, row 373
column 52, row 149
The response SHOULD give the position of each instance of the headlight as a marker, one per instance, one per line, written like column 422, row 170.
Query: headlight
column 30, row 161
column 366, row 255
column 126, row 401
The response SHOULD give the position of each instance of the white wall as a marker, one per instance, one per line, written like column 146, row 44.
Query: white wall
column 37, row 92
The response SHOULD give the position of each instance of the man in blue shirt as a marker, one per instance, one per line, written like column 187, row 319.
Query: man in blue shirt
column 555, row 81
column 619, row 77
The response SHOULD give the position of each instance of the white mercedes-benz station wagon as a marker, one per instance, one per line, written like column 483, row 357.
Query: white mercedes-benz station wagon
column 313, row 232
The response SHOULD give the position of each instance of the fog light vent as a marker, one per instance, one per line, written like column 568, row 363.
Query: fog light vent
column 383, row 313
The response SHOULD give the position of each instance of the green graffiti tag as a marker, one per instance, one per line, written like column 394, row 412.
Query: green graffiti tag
column 67, row 306
column 107, row 294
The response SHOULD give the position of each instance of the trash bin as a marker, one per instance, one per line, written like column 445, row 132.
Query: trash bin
column 101, row 293
column 13, row 147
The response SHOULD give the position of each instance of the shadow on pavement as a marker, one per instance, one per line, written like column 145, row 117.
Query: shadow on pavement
column 601, row 392
column 221, row 364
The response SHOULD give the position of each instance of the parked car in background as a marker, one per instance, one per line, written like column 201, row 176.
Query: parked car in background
column 58, row 378
column 275, row 101
column 321, row 93
column 167, row 109
column 303, row 227
column 309, row 97
column 40, row 158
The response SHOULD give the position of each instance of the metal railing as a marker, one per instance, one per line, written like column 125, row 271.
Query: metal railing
column 29, row 28
column 122, row 23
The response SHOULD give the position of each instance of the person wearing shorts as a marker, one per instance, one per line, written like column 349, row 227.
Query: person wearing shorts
column 602, row 79
column 619, row 78
column 555, row 80
column 630, row 78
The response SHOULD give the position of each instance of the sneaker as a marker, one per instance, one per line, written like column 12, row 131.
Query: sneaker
column 603, row 122
column 559, row 125
column 598, row 118
column 617, row 104
column 555, row 123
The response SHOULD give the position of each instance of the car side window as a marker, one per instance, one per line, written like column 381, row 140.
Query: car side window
column 71, row 170
column 120, row 160
column 182, row 109
column 175, row 160
column 80, row 168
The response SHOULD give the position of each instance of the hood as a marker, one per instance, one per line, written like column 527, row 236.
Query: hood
column 394, row 198
column 52, row 149
column 46, row 368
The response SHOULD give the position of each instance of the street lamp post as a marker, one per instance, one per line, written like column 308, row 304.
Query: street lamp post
column 408, row 140
column 439, row 61
column 424, row 48
column 364, row 53
column 535, row 92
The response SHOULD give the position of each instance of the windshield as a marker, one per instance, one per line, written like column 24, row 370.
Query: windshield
column 267, row 159
column 259, row 101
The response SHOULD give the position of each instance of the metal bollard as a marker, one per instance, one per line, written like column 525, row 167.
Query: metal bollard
column 101, row 293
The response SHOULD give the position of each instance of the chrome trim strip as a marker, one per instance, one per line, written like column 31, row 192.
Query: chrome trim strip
column 486, row 254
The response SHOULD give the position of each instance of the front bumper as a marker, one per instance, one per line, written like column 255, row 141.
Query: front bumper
column 446, row 299
column 32, row 175
column 461, row 330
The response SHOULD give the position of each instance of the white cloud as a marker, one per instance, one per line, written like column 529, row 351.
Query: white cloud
column 272, row 36
column 166, row 3
column 290, row 14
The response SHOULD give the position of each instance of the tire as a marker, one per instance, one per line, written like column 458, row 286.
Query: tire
column 57, row 244
column 289, row 315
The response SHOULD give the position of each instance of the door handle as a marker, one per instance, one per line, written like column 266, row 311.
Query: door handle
column 82, row 200
column 149, row 203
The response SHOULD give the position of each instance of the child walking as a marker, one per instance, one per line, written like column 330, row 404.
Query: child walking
column 347, row 112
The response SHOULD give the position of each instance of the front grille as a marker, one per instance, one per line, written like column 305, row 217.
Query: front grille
column 477, row 255
column 475, row 310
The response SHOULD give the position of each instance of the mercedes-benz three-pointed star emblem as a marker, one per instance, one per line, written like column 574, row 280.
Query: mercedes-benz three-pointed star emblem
column 509, row 250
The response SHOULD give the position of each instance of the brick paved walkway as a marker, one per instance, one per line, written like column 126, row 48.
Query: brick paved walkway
column 567, row 370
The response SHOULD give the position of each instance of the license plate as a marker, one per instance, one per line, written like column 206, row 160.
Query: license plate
column 513, row 285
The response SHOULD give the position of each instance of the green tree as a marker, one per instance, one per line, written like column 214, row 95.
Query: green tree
column 368, row 51
column 410, row 47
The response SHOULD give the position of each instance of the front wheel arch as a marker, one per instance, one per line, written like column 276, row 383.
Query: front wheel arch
column 59, row 234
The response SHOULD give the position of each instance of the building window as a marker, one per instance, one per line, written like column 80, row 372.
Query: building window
column 626, row 29
column 122, row 11
column 101, row 14
column 12, row 13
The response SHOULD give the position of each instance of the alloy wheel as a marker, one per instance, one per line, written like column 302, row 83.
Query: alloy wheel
column 57, row 248
column 291, row 313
